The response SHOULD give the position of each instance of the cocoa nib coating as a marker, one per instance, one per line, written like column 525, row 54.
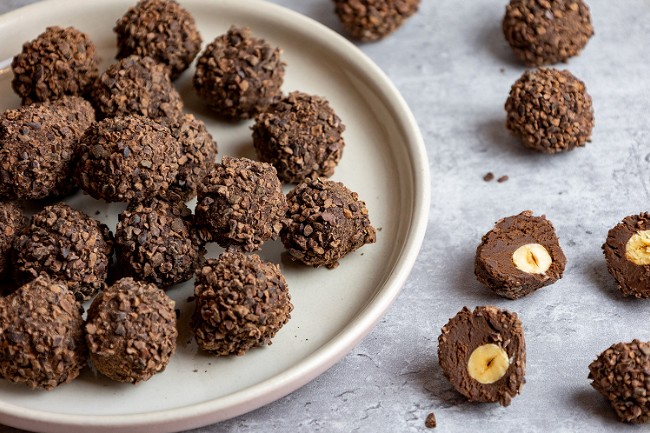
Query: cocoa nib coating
column 59, row 62
column 550, row 111
column 301, row 136
column 12, row 221
column 156, row 242
column 241, row 303
column 42, row 340
column 240, row 204
column 327, row 221
column 547, row 31
column 37, row 147
column 239, row 75
column 136, row 85
column 67, row 245
column 622, row 375
column 127, row 159
column 162, row 30
column 131, row 331
column 371, row 20
column 470, row 329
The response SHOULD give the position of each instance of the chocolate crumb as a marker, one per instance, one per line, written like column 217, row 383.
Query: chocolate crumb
column 430, row 421
column 503, row 179
column 488, row 177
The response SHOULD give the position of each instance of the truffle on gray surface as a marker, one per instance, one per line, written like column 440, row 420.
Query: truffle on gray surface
column 371, row 20
column 12, row 221
column 241, row 303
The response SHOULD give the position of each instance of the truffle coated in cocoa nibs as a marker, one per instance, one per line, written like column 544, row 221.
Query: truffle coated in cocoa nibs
column 162, row 30
column 371, row 20
column 136, row 85
column 241, row 303
column 42, row 344
column 622, row 375
column 59, row 62
column 127, row 159
column 519, row 255
column 327, row 221
column 483, row 354
column 240, row 204
column 239, row 75
column 12, row 221
column 547, row 31
column 550, row 111
column 131, row 331
column 301, row 136
column 65, row 244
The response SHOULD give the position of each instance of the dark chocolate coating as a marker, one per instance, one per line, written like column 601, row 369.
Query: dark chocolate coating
column 12, row 221
column 371, row 20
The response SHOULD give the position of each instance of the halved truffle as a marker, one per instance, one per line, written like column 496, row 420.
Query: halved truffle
column 12, row 221
column 371, row 20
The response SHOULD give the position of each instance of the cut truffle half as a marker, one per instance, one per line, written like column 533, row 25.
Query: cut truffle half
column 371, row 20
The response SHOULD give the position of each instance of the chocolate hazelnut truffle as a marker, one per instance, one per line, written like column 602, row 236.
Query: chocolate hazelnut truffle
column 42, row 340
column 301, row 136
column 12, row 221
column 327, row 221
column 238, row 75
column 156, row 242
column 240, row 204
column 67, row 245
column 519, row 255
column 129, row 158
column 162, row 30
column 547, row 31
column 136, row 85
column 371, row 20
column 241, row 303
column 131, row 331
column 550, row 111
column 58, row 62
column 622, row 375
column 483, row 354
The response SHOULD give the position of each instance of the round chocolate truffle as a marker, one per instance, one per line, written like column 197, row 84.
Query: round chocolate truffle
column 67, row 245
column 58, row 62
column 239, row 75
column 12, row 221
column 137, row 85
column 42, row 340
column 371, row 20
column 301, row 136
column 162, row 30
column 622, row 375
column 129, row 158
column 547, row 31
column 131, row 331
column 241, row 303
column 519, row 255
column 483, row 354
column 37, row 147
column 327, row 221
column 550, row 111
column 240, row 204
column 156, row 242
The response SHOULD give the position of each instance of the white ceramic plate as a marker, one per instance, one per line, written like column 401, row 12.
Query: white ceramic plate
column 384, row 161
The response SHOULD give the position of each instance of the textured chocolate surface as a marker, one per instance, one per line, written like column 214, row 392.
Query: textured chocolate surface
column 12, row 220
column 371, row 20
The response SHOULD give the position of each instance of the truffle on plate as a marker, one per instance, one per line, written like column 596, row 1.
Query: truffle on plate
column 371, row 20
column 12, row 221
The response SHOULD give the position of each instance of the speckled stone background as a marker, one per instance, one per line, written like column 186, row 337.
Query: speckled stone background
column 454, row 69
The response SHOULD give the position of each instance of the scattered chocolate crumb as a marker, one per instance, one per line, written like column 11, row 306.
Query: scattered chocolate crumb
column 502, row 70
column 430, row 421
column 503, row 179
column 12, row 221
column 488, row 177
column 371, row 20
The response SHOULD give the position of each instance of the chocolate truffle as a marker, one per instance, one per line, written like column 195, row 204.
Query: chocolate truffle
column 162, row 30
column 550, row 111
column 37, row 147
column 483, row 354
column 240, row 204
column 241, row 303
column 238, row 75
column 371, row 20
column 327, row 221
column 67, row 245
column 137, row 85
column 547, row 31
column 42, row 340
column 58, row 62
column 131, row 331
column 12, row 221
column 519, row 255
column 622, row 375
column 156, row 242
column 627, row 251
column 301, row 136
column 129, row 158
